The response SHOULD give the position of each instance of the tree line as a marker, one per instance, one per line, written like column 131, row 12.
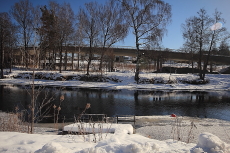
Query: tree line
column 50, row 29
column 202, row 33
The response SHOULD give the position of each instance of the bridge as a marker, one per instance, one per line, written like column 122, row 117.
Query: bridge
column 167, row 55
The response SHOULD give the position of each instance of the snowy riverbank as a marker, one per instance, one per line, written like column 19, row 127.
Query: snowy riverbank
column 153, row 134
column 125, row 80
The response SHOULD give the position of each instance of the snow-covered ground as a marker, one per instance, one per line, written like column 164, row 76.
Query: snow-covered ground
column 121, row 141
column 145, row 139
column 217, row 81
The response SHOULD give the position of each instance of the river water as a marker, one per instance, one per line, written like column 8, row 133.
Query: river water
column 203, row 104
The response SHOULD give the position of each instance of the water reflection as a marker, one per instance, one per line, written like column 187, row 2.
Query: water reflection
column 125, row 102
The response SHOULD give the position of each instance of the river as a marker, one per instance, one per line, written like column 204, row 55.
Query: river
column 203, row 104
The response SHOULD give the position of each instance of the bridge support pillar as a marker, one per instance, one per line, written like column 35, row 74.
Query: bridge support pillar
column 159, row 64
column 155, row 65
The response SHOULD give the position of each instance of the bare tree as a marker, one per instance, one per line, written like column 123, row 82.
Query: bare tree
column 78, row 41
column 23, row 15
column 58, row 43
column 190, row 46
column 65, row 26
column 90, row 29
column 5, row 25
column 12, row 44
column 148, row 20
column 37, row 108
column 203, row 37
column 216, row 35
column 48, row 34
column 8, row 39
column 56, row 30
column 112, row 26
column 224, row 48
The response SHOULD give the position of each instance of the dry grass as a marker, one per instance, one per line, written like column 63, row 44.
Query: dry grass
column 13, row 122
column 181, row 132
column 96, row 132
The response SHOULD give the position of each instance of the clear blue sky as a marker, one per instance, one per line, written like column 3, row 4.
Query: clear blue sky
column 181, row 10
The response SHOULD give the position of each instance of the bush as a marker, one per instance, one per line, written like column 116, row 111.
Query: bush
column 195, row 81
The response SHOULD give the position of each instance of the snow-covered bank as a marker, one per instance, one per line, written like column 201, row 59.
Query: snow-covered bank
column 216, row 81
column 113, row 143
column 123, row 141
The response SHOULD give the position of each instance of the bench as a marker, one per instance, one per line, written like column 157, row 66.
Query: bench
column 126, row 118
column 93, row 118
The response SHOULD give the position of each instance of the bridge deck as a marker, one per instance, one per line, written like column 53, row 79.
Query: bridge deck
column 177, row 56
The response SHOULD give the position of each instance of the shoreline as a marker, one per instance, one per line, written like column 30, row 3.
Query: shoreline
column 110, row 88
column 149, row 81
column 161, row 127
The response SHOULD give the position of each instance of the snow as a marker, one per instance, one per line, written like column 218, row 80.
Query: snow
column 121, row 139
column 114, row 143
column 166, row 127
column 100, row 127
column 211, row 143
column 217, row 81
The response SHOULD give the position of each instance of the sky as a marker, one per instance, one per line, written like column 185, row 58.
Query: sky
column 181, row 10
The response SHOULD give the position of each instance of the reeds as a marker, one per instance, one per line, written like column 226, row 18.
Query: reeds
column 182, row 133
column 57, row 110
column 93, row 131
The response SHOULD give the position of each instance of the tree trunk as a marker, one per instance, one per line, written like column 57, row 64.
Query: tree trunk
column 138, row 61
column 25, row 50
column 60, row 56
column 78, row 59
column 54, row 59
column 209, row 53
column 73, row 59
column 89, row 62
column 11, row 58
column 101, row 60
column 158, row 63
column 32, row 104
column 65, row 58
column 192, row 65
column 211, row 68
column 2, row 59
column 199, row 65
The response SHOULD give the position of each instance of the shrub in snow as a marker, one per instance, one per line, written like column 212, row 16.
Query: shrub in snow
column 194, row 80
column 225, row 70
column 171, row 81
column 146, row 81
column 98, row 78
column 157, row 80
column 42, row 75
column 211, row 144
column 24, row 75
